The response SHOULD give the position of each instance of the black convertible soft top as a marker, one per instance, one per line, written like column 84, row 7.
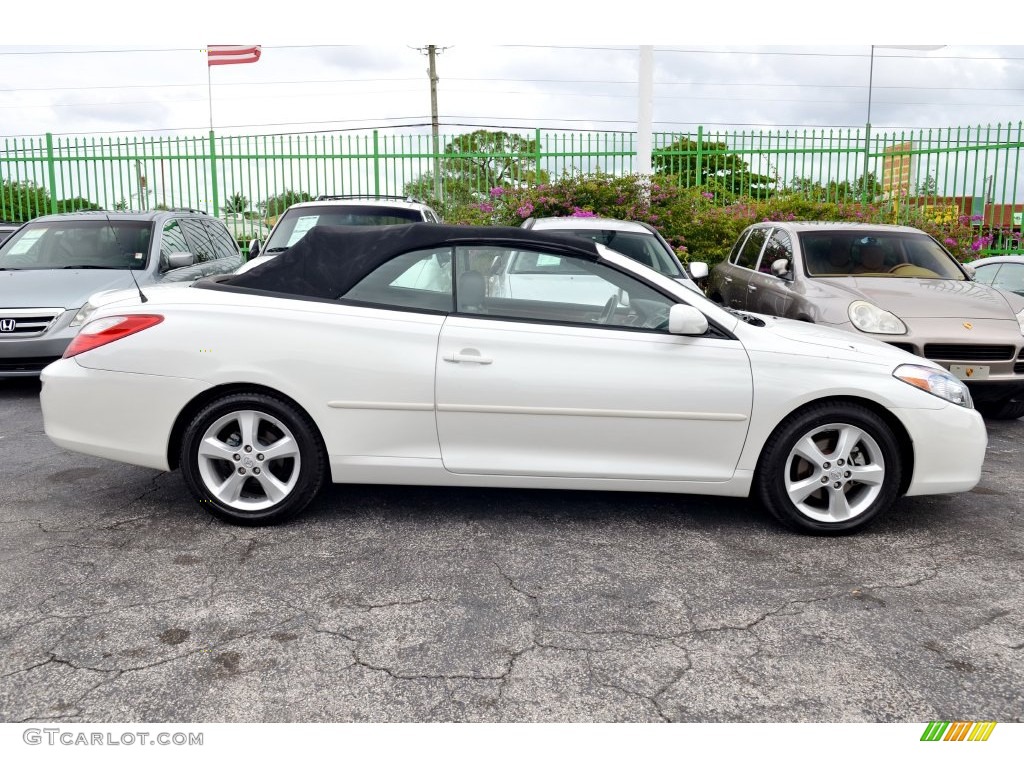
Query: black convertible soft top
column 330, row 260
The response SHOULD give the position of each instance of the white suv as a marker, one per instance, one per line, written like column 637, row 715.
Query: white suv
column 637, row 240
column 339, row 210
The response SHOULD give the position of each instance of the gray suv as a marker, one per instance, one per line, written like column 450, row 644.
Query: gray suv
column 52, row 265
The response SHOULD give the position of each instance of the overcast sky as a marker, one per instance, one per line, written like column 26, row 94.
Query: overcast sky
column 327, row 67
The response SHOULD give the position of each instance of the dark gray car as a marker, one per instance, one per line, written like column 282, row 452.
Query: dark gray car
column 52, row 265
column 894, row 283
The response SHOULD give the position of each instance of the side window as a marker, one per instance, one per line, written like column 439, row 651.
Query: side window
column 737, row 246
column 417, row 280
column 224, row 246
column 1010, row 278
column 199, row 239
column 778, row 247
column 172, row 240
column 553, row 288
column 987, row 274
column 747, row 257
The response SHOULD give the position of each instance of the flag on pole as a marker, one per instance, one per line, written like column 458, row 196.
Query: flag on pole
column 232, row 54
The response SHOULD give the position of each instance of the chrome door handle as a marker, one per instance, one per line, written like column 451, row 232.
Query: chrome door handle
column 728, row 279
column 752, row 287
column 468, row 356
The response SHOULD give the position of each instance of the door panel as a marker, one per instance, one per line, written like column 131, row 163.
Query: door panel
column 567, row 401
column 746, row 263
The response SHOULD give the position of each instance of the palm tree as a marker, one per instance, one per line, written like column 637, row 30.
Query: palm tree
column 237, row 203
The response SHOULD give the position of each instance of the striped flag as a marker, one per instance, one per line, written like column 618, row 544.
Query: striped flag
column 232, row 54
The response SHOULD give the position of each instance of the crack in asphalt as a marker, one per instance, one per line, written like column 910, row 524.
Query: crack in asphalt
column 367, row 607
column 154, row 485
column 55, row 659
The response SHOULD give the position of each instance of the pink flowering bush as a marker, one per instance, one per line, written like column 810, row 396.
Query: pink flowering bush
column 699, row 223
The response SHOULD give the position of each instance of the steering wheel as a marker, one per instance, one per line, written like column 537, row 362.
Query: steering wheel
column 902, row 268
column 609, row 310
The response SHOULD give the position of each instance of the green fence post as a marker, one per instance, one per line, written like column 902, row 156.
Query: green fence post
column 536, row 172
column 51, row 168
column 700, row 155
column 867, row 162
column 213, row 175
column 376, row 166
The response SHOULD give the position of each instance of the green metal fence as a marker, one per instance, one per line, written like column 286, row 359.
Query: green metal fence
column 963, row 172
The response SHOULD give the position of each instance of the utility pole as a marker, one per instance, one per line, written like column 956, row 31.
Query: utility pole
column 644, row 122
column 432, row 52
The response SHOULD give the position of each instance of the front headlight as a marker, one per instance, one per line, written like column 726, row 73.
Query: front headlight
column 866, row 317
column 1020, row 321
column 937, row 382
column 82, row 316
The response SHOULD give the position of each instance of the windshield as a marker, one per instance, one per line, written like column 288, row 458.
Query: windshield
column 876, row 254
column 298, row 221
column 639, row 246
column 81, row 244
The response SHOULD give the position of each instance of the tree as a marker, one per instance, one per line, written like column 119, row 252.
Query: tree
column 121, row 205
column 237, row 203
column 70, row 204
column 809, row 189
column 475, row 163
column 489, row 159
column 866, row 185
column 928, row 186
column 274, row 206
column 718, row 168
column 23, row 200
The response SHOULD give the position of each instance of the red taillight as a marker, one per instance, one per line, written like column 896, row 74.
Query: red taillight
column 108, row 329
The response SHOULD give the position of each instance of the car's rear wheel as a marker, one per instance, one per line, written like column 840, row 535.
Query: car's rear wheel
column 252, row 459
column 830, row 469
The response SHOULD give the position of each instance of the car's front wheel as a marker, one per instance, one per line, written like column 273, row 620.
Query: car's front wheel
column 252, row 459
column 830, row 469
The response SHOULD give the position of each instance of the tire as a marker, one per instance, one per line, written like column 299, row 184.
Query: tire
column 275, row 479
column 853, row 450
column 1002, row 410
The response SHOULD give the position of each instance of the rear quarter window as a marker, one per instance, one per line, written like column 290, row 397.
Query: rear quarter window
column 747, row 257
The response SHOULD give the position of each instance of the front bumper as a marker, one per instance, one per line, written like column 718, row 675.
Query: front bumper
column 949, row 448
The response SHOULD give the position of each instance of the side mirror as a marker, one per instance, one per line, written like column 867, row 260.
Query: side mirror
column 684, row 320
column 698, row 270
column 254, row 248
column 180, row 259
column 780, row 268
column 969, row 269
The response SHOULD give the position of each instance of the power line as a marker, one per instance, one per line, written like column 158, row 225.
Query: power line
column 698, row 83
column 492, row 122
column 714, row 52
column 818, row 54
column 154, row 50
column 538, row 93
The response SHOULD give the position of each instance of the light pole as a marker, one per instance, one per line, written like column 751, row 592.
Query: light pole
column 867, row 125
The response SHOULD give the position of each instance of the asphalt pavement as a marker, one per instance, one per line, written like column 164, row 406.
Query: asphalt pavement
column 122, row 600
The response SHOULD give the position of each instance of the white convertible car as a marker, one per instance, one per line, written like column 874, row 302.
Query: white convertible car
column 387, row 355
